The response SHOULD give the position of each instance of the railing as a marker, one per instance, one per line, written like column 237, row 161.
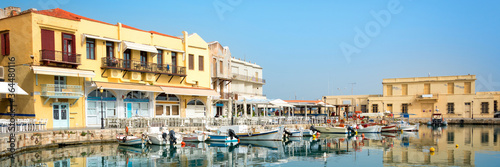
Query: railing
column 248, row 78
column 248, row 93
column 61, row 91
column 60, row 57
column 142, row 66
column 427, row 96
column 143, row 122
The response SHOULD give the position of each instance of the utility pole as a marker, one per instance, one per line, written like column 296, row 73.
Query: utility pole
column 352, row 86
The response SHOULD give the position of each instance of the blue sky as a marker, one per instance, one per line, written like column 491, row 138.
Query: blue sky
column 300, row 43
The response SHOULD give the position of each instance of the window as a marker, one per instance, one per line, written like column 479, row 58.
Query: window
column 363, row 109
column 97, row 94
column 159, row 58
column 200, row 63
column 59, row 83
column 110, row 50
column 451, row 108
column 467, row 89
column 484, row 107
column 136, row 95
column 375, row 108
column 495, row 106
column 484, row 137
column 90, row 48
column 5, row 44
column 404, row 90
column 404, row 108
column 451, row 88
column 126, row 59
column 451, row 137
column 167, row 97
column 221, row 66
column 144, row 58
column 191, row 62
column 389, row 90
column 427, row 88
column 174, row 62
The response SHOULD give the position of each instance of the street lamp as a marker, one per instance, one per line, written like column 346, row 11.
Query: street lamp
column 93, row 84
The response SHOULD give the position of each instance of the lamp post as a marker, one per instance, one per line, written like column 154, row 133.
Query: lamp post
column 102, row 109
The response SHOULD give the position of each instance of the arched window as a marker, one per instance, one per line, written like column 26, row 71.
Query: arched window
column 167, row 97
column 104, row 94
column 195, row 102
column 136, row 95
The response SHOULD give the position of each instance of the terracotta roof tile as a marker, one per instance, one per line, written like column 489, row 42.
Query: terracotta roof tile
column 59, row 13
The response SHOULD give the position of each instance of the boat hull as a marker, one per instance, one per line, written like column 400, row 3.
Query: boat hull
column 409, row 127
column 308, row 132
column 274, row 135
column 389, row 128
column 370, row 129
column 129, row 140
column 195, row 138
column 339, row 130
column 157, row 139
column 222, row 138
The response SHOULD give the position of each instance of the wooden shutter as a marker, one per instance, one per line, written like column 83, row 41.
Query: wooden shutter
column 3, row 44
column 427, row 88
column 191, row 62
column 450, row 88
column 200, row 63
column 48, row 40
column 467, row 88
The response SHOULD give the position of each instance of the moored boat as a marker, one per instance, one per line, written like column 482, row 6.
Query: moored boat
column 437, row 120
column 230, row 136
column 267, row 135
column 198, row 136
column 308, row 132
column 164, row 137
column 129, row 140
column 369, row 129
column 389, row 128
column 335, row 129
column 405, row 126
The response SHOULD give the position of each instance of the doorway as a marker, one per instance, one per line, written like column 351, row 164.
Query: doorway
column 60, row 114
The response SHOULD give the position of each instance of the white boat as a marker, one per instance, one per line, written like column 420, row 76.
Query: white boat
column 336, row 129
column 197, row 136
column 129, row 140
column 162, row 137
column 405, row 126
column 308, row 132
column 266, row 135
column 369, row 129
column 228, row 137
column 296, row 132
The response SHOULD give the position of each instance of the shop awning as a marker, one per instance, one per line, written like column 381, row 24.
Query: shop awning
column 4, row 89
column 173, row 50
column 62, row 71
column 128, row 86
column 99, row 38
column 141, row 47
column 189, row 91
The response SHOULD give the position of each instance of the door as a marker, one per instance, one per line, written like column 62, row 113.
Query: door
column 467, row 108
column 62, row 163
column 389, row 107
column 60, row 114
column 174, row 62
column 128, row 110
column 126, row 59
column 59, row 83
column 68, row 48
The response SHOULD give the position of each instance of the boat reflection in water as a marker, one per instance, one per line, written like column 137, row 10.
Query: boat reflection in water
column 378, row 149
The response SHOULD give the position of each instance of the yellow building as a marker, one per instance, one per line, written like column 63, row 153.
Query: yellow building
column 77, row 69
column 453, row 96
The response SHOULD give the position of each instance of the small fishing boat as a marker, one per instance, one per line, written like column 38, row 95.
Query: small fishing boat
column 308, row 132
column 228, row 137
column 405, row 126
column 128, row 140
column 369, row 128
column 335, row 129
column 437, row 120
column 163, row 137
column 197, row 136
column 266, row 135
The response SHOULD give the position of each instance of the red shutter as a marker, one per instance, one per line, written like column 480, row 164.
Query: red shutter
column 7, row 44
column 73, row 44
column 3, row 44
column 48, row 40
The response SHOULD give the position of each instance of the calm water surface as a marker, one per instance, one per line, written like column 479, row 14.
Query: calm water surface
column 477, row 146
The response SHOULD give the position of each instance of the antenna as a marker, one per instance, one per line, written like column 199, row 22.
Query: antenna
column 352, row 86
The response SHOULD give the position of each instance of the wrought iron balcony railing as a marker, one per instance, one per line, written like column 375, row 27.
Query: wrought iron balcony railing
column 61, row 91
column 115, row 63
column 60, row 57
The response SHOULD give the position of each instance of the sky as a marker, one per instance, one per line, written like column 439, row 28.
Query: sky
column 312, row 49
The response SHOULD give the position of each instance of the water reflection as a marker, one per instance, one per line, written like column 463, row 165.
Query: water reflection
column 454, row 145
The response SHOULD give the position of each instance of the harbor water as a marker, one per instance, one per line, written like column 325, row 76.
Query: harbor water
column 453, row 146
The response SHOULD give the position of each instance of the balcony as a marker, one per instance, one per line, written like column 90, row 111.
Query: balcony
column 58, row 57
column 57, row 91
column 248, row 78
column 138, row 66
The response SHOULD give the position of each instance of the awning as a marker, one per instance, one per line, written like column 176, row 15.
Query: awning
column 128, row 86
column 371, row 114
column 141, row 47
column 62, row 71
column 100, row 38
column 189, row 91
column 280, row 103
column 173, row 50
column 4, row 89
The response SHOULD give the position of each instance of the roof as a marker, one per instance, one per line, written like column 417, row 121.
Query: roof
column 59, row 13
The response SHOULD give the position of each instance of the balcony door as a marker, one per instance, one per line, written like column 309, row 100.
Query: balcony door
column 68, row 48
column 126, row 59
column 59, row 83
column 60, row 113
column 174, row 62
